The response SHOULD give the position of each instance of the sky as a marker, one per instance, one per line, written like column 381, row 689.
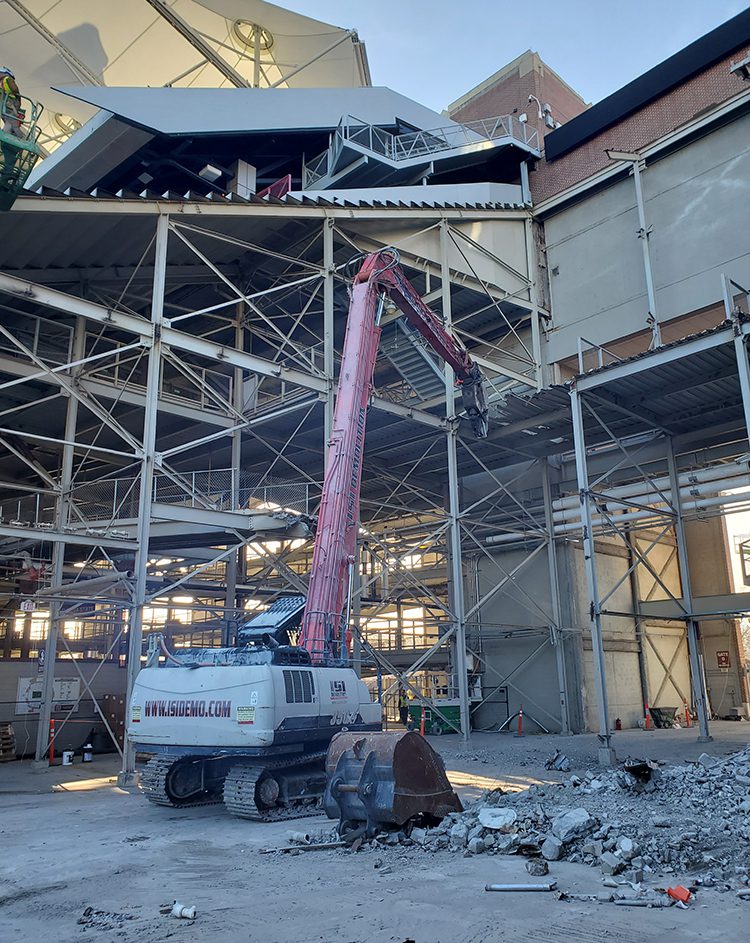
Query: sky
column 434, row 51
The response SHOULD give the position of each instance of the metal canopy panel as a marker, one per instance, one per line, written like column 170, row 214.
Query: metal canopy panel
column 246, row 110
column 85, row 42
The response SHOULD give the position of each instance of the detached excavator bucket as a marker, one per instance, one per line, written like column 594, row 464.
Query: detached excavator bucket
column 385, row 779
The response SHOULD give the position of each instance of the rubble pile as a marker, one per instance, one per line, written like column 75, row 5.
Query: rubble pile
column 631, row 822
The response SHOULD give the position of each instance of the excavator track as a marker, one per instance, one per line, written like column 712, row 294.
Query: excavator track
column 154, row 784
column 243, row 790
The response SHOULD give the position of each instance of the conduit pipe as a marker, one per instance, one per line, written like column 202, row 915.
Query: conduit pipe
column 688, row 506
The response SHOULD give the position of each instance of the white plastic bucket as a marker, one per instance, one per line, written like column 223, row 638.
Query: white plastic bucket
column 67, row 758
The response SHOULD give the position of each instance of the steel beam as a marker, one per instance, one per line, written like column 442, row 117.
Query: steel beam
column 179, row 340
column 199, row 43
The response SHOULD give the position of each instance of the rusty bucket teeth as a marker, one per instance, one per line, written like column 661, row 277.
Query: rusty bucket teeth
column 385, row 779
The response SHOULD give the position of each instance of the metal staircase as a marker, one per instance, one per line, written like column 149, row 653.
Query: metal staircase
column 371, row 152
column 412, row 359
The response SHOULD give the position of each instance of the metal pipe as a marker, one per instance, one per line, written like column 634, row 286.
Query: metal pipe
column 521, row 887
column 598, row 520
column 685, row 478
column 79, row 587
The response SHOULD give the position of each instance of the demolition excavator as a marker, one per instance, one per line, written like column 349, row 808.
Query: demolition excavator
column 251, row 725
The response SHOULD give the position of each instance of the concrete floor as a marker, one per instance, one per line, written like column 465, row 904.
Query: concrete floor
column 73, row 840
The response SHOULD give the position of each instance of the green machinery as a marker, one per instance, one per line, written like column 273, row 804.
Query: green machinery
column 19, row 147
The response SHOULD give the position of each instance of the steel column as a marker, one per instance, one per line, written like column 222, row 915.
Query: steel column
column 328, row 330
column 554, row 587
column 696, row 666
column 58, row 554
column 454, row 508
column 532, row 269
column 232, row 563
column 148, row 459
column 606, row 754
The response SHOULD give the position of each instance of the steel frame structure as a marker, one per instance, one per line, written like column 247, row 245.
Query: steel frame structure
column 217, row 334
column 660, row 504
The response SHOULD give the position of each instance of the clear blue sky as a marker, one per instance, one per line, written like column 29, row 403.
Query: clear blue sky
column 436, row 50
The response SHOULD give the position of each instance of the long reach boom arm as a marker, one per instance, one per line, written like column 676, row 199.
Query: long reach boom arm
column 380, row 277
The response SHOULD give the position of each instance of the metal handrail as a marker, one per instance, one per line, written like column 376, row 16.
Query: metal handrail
column 412, row 144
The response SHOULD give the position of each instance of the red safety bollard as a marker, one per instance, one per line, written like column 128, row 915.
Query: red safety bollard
column 520, row 721
column 421, row 722
column 687, row 714
column 647, row 725
column 51, row 741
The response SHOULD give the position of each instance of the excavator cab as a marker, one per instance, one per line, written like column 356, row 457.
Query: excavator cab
column 19, row 146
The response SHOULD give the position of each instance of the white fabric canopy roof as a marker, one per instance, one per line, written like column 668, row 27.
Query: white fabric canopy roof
column 128, row 43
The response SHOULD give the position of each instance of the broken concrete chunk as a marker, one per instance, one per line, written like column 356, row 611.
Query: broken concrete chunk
column 552, row 848
column 476, row 831
column 459, row 835
column 475, row 846
column 500, row 820
column 572, row 824
column 537, row 866
column 594, row 848
column 706, row 761
column 610, row 863
column 505, row 843
column 627, row 847
column 660, row 821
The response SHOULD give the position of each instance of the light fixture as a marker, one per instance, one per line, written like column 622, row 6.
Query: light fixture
column 622, row 155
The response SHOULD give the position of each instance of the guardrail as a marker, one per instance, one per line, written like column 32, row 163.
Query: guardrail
column 415, row 144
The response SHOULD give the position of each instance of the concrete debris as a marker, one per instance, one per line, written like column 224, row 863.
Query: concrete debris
column 572, row 824
column 552, row 848
column 610, row 863
column 692, row 819
column 558, row 761
column 105, row 920
column 537, row 867
column 708, row 762
column 501, row 820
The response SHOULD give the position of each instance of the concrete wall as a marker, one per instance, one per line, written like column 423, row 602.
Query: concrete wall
column 514, row 613
column 619, row 636
column 516, row 640
column 109, row 680
column 695, row 202
column 710, row 575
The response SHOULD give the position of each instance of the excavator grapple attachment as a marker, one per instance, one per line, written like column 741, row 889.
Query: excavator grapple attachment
column 384, row 778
